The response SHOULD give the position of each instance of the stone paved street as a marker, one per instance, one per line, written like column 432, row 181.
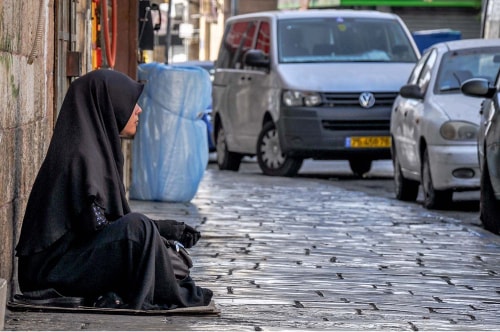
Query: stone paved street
column 316, row 254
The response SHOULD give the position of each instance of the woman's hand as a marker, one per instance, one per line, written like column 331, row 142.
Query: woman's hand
column 190, row 236
column 178, row 231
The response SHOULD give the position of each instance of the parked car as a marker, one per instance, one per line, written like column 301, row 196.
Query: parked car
column 488, row 148
column 434, row 127
column 207, row 116
column 308, row 84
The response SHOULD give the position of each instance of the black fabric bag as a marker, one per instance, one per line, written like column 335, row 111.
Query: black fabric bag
column 180, row 258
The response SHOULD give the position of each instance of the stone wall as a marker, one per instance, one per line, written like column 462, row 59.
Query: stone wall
column 27, row 112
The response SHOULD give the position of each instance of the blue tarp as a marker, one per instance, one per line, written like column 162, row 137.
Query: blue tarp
column 426, row 38
column 170, row 150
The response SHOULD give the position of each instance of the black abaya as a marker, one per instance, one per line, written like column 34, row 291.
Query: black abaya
column 58, row 247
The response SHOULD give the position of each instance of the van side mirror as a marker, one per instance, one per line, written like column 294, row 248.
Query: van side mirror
column 256, row 58
column 411, row 91
column 478, row 87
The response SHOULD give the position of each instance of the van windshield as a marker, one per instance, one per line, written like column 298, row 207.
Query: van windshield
column 338, row 39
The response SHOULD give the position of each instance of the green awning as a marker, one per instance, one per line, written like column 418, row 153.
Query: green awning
column 294, row 4
column 413, row 3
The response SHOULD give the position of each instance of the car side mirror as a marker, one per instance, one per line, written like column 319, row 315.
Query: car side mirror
column 256, row 58
column 478, row 87
column 411, row 91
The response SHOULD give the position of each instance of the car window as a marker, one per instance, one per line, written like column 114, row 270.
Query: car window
column 263, row 44
column 497, row 80
column 461, row 65
column 426, row 74
column 339, row 39
column 413, row 79
column 238, row 38
column 263, row 38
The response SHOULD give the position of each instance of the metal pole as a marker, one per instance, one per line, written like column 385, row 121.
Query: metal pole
column 234, row 7
column 169, row 31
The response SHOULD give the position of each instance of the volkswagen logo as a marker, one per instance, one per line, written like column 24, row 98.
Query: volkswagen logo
column 366, row 99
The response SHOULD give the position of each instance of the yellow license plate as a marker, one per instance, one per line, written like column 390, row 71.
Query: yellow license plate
column 368, row 142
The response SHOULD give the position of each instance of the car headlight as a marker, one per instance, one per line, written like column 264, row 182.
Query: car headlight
column 300, row 98
column 459, row 131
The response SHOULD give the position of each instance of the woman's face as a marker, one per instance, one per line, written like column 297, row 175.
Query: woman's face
column 131, row 126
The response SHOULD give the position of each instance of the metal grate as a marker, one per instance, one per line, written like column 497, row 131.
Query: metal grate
column 352, row 99
column 358, row 125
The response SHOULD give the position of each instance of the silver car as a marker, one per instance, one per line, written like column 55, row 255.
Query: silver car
column 488, row 147
column 434, row 127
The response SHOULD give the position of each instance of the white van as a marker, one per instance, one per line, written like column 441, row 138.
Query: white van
column 308, row 84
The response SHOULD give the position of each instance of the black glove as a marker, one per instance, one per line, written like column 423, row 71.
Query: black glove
column 178, row 231
column 190, row 236
column 170, row 229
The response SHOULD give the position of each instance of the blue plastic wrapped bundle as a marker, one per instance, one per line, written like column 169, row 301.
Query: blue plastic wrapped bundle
column 170, row 149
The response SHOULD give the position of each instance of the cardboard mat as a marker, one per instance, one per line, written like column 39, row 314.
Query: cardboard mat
column 210, row 309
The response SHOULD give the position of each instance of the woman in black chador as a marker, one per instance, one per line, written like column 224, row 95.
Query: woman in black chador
column 79, row 238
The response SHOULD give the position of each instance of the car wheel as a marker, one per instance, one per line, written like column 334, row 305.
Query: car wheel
column 489, row 206
column 406, row 190
column 360, row 167
column 269, row 156
column 433, row 199
column 225, row 159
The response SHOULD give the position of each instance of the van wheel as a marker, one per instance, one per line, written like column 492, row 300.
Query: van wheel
column 225, row 159
column 433, row 199
column 360, row 167
column 271, row 160
column 489, row 206
column 406, row 190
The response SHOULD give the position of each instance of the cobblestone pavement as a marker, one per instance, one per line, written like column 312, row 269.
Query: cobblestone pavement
column 308, row 253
